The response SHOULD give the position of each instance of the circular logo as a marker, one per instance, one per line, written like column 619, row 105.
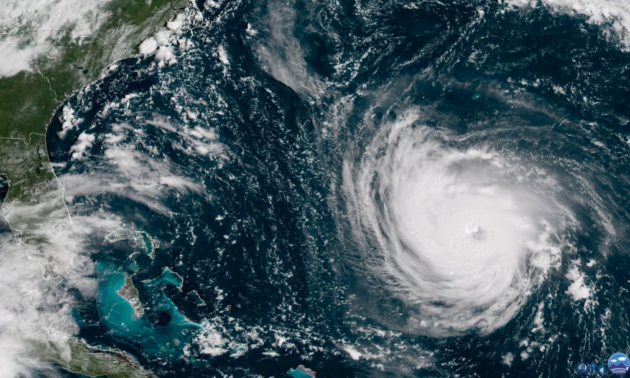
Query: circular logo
column 582, row 368
column 618, row 363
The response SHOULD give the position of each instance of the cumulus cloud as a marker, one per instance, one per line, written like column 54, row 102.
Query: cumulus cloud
column 129, row 173
column 222, row 55
column 177, row 23
column 578, row 289
column 68, row 121
column 211, row 341
column 148, row 46
column 13, row 60
column 352, row 352
column 84, row 141
column 113, row 138
column 204, row 142
column 162, row 37
column 164, row 54
column 160, row 43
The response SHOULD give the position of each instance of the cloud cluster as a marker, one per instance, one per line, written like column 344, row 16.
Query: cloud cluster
column 38, row 265
column 160, row 45
column 612, row 15
column 126, row 171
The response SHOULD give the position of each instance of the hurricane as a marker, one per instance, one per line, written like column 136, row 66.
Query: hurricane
column 462, row 237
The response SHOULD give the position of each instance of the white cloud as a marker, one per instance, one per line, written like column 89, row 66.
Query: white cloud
column 165, row 54
column 222, row 55
column 201, row 133
column 68, row 121
column 113, row 138
column 13, row 60
column 131, row 174
column 211, row 4
column 162, row 123
column 127, row 161
column 12, row 367
column 612, row 15
column 162, row 37
column 471, row 261
column 191, row 115
column 211, row 341
column 180, row 183
column 44, row 230
column 148, row 46
column 282, row 55
column 37, row 266
column 35, row 25
column 177, row 23
column 84, row 141
column 353, row 353
column 578, row 289
column 160, row 44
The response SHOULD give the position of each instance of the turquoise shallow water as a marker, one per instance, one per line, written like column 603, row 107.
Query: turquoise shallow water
column 300, row 373
column 119, row 318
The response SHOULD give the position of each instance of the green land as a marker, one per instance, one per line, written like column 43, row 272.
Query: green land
column 28, row 99
column 34, row 204
column 74, row 355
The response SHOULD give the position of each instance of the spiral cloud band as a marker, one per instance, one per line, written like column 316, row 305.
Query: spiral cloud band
column 460, row 238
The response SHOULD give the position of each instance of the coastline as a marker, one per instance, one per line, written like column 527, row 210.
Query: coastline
column 34, row 204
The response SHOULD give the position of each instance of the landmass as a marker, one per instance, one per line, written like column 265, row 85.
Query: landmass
column 197, row 298
column 149, row 242
column 33, row 206
column 75, row 355
column 163, row 331
column 302, row 372
column 29, row 98
column 169, row 277
column 130, row 294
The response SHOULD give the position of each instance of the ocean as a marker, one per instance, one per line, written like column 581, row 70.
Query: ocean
column 366, row 188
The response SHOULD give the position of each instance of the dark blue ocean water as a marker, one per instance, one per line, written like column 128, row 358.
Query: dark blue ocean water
column 263, row 228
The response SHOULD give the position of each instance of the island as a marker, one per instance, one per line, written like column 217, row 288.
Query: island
column 162, row 331
column 167, row 277
column 130, row 294
column 149, row 243
column 195, row 295
column 302, row 372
